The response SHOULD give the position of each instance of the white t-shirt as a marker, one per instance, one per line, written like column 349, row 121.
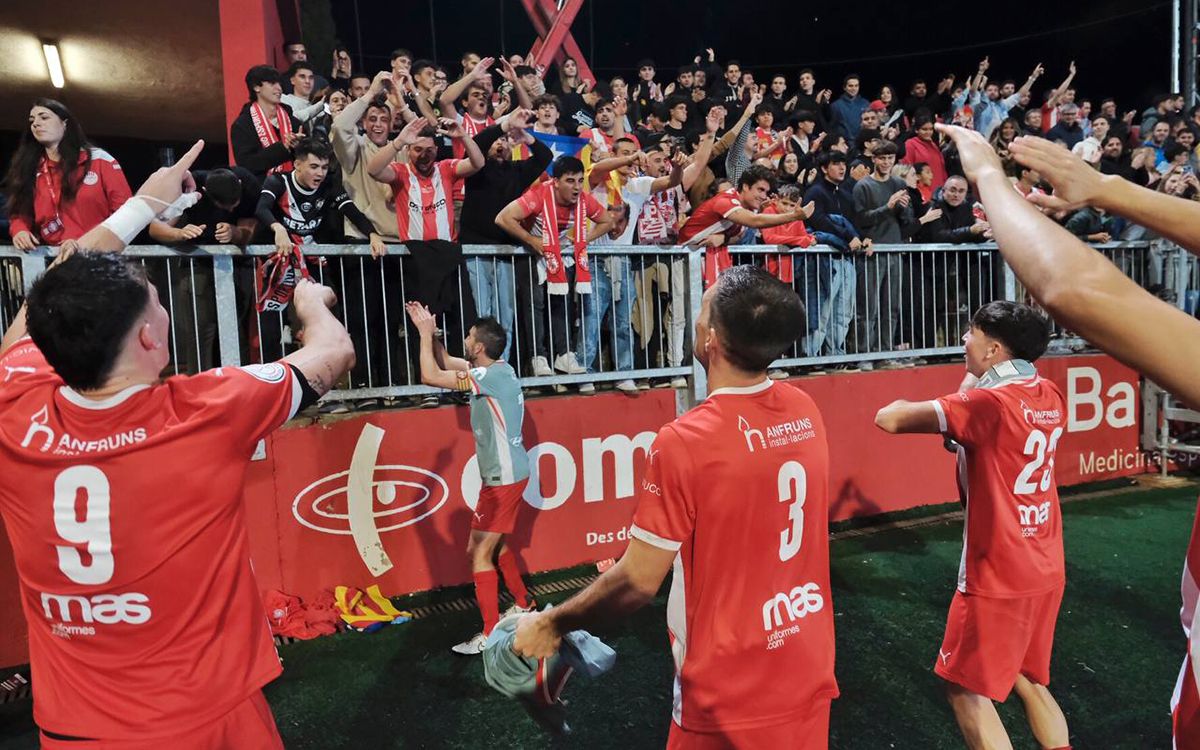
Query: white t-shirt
column 635, row 193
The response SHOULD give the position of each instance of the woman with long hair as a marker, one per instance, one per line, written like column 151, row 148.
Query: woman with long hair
column 568, row 76
column 789, row 172
column 1003, row 136
column 59, row 185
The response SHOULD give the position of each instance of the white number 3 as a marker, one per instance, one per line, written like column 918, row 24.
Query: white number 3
column 793, row 486
column 93, row 531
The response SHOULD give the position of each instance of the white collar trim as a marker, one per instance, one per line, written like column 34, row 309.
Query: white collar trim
column 746, row 390
column 78, row 399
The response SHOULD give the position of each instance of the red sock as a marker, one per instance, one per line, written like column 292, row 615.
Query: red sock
column 512, row 578
column 487, row 594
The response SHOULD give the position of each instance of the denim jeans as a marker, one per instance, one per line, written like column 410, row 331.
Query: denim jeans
column 492, row 284
column 608, row 273
column 831, row 282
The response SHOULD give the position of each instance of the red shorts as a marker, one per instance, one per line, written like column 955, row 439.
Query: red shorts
column 990, row 641
column 248, row 726
column 496, row 510
column 1185, row 708
column 809, row 732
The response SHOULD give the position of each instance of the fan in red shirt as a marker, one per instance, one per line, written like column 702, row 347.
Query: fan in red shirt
column 735, row 498
column 122, row 499
column 720, row 218
column 424, row 187
column 1007, row 421
column 49, row 204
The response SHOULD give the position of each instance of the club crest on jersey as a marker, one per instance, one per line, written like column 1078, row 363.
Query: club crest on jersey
column 272, row 372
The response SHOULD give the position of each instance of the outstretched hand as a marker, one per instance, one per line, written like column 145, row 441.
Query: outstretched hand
column 421, row 318
column 168, row 183
column 979, row 159
column 1075, row 183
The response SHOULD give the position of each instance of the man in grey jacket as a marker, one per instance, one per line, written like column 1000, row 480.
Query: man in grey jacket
column 884, row 214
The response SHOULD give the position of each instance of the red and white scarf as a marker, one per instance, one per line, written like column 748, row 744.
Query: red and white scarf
column 269, row 135
column 556, row 273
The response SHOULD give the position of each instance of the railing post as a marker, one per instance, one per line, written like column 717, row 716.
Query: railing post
column 698, row 387
column 1182, row 277
column 1010, row 279
column 32, row 265
column 227, row 322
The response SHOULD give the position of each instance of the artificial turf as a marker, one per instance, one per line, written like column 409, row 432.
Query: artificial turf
column 1117, row 653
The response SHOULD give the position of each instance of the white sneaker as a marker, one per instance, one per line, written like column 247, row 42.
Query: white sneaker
column 560, row 388
column 473, row 646
column 515, row 610
column 587, row 388
column 778, row 374
column 679, row 383
column 541, row 367
column 567, row 363
column 627, row 386
column 643, row 385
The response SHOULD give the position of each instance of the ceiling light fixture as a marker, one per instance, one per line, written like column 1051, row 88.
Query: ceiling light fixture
column 54, row 64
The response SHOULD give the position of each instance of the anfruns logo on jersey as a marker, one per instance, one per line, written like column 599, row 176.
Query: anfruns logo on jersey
column 1051, row 417
column 776, row 436
column 39, row 435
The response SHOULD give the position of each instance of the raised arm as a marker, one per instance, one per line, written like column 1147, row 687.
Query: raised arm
column 380, row 165
column 455, row 90
column 475, row 158
column 509, row 73
column 761, row 221
column 437, row 369
column 1062, row 87
column 327, row 353
column 154, row 199
column 1028, row 86
column 908, row 416
column 1078, row 286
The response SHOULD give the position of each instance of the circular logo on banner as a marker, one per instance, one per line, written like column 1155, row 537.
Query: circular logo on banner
column 401, row 496
column 91, row 178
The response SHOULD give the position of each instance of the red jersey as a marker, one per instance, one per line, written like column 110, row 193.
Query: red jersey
column 424, row 205
column 102, row 190
column 712, row 217
column 531, row 203
column 473, row 128
column 1185, row 701
column 739, row 486
column 1009, row 428
column 126, row 523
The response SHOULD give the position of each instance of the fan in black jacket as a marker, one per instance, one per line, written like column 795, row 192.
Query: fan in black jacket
column 249, row 151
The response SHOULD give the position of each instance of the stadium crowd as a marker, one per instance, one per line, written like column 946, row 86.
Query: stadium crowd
column 711, row 157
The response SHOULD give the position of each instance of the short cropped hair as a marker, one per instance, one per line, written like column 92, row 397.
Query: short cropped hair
column 757, row 317
column 1024, row 331
column 565, row 165
column 223, row 186
column 492, row 335
column 298, row 66
column 757, row 173
column 318, row 147
column 545, row 99
column 81, row 311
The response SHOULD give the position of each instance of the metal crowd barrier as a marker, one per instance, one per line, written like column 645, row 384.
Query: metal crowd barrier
column 895, row 308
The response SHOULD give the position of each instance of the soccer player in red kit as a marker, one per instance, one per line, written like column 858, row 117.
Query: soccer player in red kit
column 1088, row 294
column 735, row 499
column 1007, row 420
column 122, row 497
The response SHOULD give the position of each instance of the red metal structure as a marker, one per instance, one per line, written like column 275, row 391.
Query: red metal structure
column 553, row 26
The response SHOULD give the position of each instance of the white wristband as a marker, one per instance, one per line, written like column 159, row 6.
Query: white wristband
column 129, row 219
column 175, row 209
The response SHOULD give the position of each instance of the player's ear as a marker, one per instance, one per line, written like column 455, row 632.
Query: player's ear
column 147, row 339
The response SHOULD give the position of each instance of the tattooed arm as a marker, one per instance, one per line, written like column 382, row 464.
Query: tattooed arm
column 327, row 353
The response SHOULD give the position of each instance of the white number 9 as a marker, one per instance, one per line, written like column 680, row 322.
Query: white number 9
column 93, row 531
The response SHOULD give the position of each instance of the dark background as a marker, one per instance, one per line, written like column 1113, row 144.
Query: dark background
column 1121, row 47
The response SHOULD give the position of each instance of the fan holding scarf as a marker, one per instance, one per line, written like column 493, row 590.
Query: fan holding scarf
column 264, row 133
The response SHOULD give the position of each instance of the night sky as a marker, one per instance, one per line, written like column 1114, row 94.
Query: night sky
column 1121, row 47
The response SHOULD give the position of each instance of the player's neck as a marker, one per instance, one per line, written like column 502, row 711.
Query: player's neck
column 723, row 375
column 117, row 382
